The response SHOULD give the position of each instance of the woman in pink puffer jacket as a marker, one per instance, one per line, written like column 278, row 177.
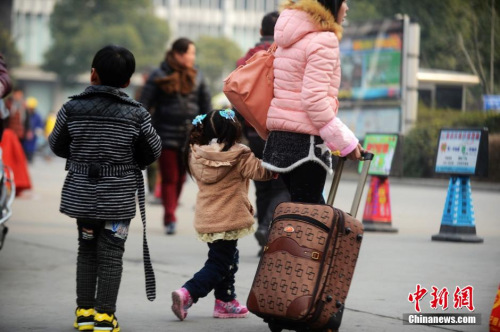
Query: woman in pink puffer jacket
column 302, row 118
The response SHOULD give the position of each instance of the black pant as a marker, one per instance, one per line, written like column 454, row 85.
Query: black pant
column 306, row 183
column 268, row 193
column 217, row 274
column 99, row 268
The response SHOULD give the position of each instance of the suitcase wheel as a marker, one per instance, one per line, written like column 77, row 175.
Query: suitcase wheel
column 274, row 327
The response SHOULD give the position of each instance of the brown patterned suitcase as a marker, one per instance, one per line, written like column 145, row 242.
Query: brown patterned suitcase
column 308, row 263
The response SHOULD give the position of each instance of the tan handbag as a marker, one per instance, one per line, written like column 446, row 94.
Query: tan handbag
column 250, row 89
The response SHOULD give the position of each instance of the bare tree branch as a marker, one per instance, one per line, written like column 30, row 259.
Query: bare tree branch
column 466, row 53
column 482, row 74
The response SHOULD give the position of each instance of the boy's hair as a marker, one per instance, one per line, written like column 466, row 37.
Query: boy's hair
column 114, row 65
column 268, row 23
column 226, row 131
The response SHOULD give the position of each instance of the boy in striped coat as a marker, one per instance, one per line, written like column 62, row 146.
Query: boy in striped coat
column 107, row 138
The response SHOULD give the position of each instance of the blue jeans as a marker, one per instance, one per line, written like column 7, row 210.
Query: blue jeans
column 217, row 274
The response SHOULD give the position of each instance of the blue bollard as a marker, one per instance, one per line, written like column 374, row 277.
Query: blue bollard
column 458, row 221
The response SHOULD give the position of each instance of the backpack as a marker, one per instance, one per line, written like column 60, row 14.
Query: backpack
column 250, row 89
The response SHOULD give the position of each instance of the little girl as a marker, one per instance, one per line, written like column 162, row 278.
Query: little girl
column 222, row 169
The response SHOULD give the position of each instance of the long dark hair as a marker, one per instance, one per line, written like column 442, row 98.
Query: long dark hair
column 214, row 125
column 332, row 5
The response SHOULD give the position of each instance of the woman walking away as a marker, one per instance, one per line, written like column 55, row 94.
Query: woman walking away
column 222, row 169
column 177, row 93
column 302, row 118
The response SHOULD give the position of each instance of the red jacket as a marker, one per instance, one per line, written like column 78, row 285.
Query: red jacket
column 263, row 45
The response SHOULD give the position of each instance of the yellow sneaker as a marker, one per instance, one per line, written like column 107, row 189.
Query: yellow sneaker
column 84, row 319
column 106, row 322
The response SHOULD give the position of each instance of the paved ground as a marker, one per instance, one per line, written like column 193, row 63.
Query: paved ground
column 37, row 264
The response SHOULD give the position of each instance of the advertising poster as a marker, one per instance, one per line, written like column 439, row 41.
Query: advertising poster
column 383, row 146
column 371, row 61
column 458, row 151
column 362, row 121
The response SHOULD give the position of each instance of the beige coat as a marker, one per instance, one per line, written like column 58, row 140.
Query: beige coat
column 223, row 179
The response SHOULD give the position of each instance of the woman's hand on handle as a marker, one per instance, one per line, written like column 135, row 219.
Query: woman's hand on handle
column 356, row 154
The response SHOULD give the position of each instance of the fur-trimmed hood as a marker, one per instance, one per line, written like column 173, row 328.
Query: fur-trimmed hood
column 223, row 179
column 210, row 164
column 301, row 17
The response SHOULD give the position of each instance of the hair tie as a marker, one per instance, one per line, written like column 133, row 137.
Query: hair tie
column 198, row 119
column 227, row 114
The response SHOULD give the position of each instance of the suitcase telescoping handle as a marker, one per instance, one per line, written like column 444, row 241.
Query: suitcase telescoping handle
column 367, row 158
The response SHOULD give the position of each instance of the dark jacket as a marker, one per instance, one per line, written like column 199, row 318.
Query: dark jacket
column 173, row 112
column 107, row 138
column 5, row 81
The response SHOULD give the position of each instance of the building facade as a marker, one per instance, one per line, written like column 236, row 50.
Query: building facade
column 238, row 20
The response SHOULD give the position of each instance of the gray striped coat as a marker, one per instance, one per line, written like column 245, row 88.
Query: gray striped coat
column 106, row 138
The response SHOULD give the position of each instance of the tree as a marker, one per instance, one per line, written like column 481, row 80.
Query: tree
column 455, row 34
column 80, row 28
column 8, row 49
column 216, row 57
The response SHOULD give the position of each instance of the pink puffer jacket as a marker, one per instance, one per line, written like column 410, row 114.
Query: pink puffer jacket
column 307, row 76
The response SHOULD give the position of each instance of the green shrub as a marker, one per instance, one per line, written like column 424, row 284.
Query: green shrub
column 494, row 157
column 420, row 144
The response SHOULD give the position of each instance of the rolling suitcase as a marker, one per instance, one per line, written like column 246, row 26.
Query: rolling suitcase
column 308, row 263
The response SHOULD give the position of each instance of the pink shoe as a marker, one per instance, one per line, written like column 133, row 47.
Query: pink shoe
column 232, row 309
column 182, row 301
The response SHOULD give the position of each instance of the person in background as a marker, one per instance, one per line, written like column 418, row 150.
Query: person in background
column 107, row 139
column 177, row 92
column 50, row 122
column 16, row 104
column 5, row 80
column 33, row 128
column 12, row 154
column 268, row 193
column 266, row 39
column 304, row 127
column 222, row 168
column 5, row 89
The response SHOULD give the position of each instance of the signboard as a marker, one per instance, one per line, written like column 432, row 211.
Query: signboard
column 383, row 146
column 491, row 102
column 370, row 119
column 371, row 61
column 462, row 152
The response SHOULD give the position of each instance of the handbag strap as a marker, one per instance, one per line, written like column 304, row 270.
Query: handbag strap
column 272, row 49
